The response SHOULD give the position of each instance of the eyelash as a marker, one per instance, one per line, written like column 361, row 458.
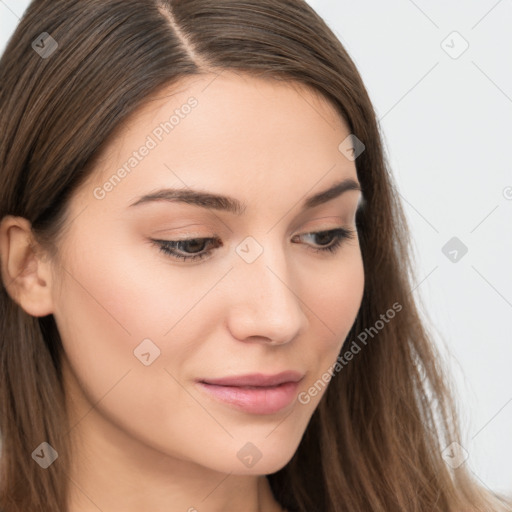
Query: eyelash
column 168, row 247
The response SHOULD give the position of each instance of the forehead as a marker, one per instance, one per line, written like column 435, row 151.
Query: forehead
column 227, row 133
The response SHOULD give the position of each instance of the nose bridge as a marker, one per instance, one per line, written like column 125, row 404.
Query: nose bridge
column 266, row 304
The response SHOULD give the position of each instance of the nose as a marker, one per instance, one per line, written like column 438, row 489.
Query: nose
column 266, row 306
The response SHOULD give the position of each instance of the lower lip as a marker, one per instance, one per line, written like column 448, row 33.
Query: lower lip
column 267, row 400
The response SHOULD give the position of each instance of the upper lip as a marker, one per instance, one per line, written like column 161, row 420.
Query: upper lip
column 257, row 379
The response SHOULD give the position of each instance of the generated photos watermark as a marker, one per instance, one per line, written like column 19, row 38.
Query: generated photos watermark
column 304, row 397
column 152, row 141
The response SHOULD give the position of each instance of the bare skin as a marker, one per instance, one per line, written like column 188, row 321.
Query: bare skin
column 148, row 437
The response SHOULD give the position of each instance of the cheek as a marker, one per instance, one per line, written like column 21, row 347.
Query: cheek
column 126, row 292
column 103, row 313
column 334, row 297
column 337, row 291
column 114, row 298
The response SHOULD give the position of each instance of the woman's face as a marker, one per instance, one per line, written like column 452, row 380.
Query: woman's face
column 140, row 326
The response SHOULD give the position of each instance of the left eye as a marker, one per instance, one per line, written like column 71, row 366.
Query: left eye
column 194, row 248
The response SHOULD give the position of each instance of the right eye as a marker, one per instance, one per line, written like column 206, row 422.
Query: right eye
column 179, row 249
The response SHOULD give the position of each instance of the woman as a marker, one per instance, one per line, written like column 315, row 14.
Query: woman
column 206, row 280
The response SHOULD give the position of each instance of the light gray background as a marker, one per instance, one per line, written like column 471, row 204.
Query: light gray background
column 446, row 124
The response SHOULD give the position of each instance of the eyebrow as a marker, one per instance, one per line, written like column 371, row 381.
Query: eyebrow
column 229, row 204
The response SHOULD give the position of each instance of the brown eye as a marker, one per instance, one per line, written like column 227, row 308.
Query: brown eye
column 336, row 235
column 190, row 249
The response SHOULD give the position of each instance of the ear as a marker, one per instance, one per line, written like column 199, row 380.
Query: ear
column 26, row 270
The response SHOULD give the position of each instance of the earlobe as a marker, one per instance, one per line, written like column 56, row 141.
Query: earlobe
column 26, row 273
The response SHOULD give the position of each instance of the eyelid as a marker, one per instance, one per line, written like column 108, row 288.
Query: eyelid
column 212, row 232
column 323, row 222
column 333, row 222
column 170, row 231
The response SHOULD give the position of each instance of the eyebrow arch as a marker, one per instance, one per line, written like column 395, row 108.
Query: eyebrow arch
column 229, row 204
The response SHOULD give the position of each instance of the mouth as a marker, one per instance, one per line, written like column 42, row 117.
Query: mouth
column 254, row 399
column 255, row 393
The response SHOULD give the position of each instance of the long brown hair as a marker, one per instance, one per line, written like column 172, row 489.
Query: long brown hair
column 375, row 441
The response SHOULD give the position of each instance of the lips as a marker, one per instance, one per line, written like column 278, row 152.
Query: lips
column 255, row 393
